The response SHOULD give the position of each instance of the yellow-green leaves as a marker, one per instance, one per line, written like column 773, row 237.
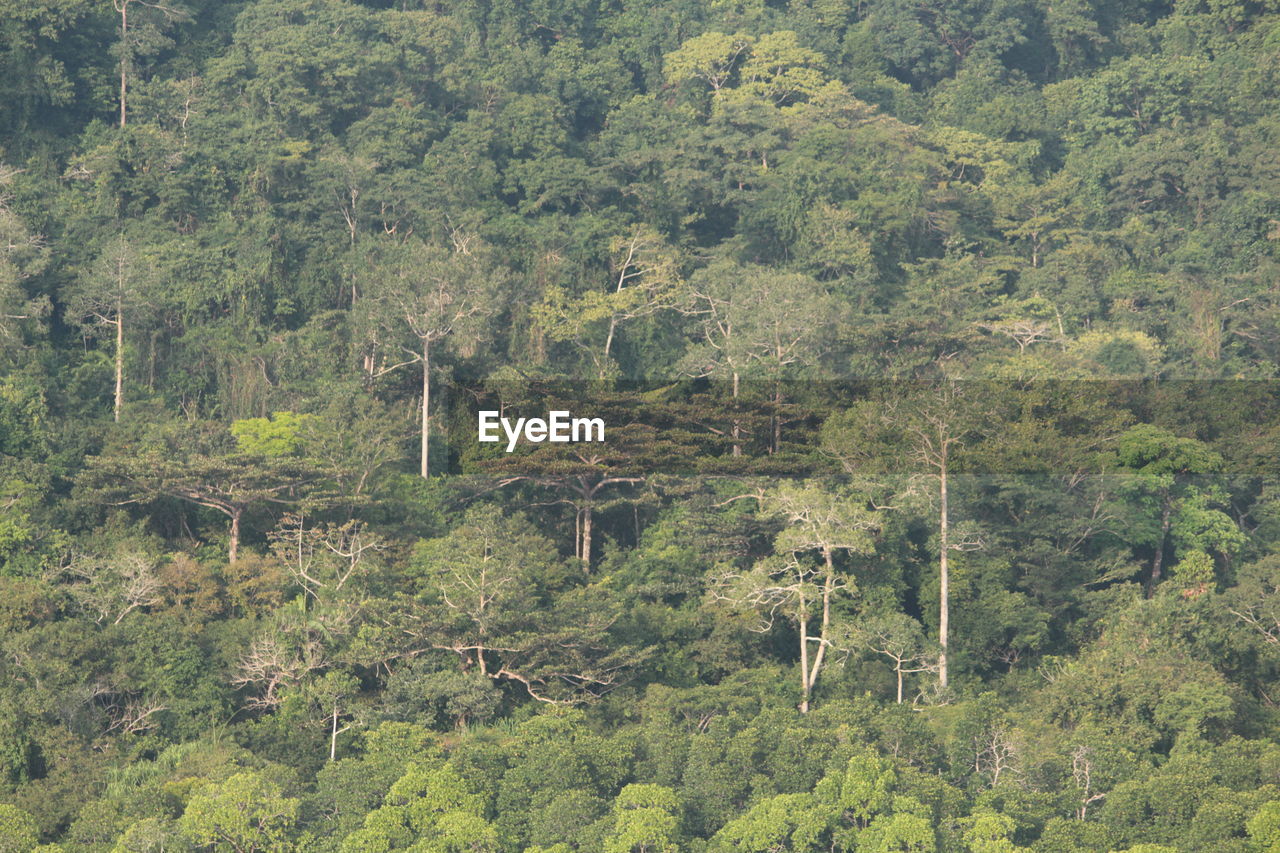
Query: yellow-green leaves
column 644, row 820
column 18, row 831
column 774, row 67
column 711, row 57
column 247, row 811
column 276, row 436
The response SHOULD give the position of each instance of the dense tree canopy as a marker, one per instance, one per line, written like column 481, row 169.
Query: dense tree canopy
column 937, row 344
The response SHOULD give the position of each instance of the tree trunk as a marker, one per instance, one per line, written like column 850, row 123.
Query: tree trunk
column 944, row 578
column 828, row 586
column 737, row 448
column 804, row 660
column 119, row 396
column 608, row 341
column 777, row 417
column 333, row 735
column 577, row 533
column 1157, row 561
column 426, row 407
column 233, row 549
column 586, row 536
column 898, row 669
column 613, row 318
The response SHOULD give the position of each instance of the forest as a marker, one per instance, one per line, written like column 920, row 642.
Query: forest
column 937, row 344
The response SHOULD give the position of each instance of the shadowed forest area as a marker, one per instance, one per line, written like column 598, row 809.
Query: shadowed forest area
column 937, row 343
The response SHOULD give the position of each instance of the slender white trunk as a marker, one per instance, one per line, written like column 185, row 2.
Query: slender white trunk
column 828, row 587
column 119, row 396
column 804, row 660
column 944, row 578
column 608, row 343
column 737, row 448
column 577, row 533
column 613, row 319
column 233, row 548
column 426, row 407
column 333, row 736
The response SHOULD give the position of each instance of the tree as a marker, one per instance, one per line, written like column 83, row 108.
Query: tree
column 140, row 37
column 18, row 831
column 926, row 424
column 644, row 820
column 780, row 70
column 786, row 822
column 198, row 466
column 496, row 599
column 1170, row 475
column 589, row 477
column 899, row 638
column 352, row 441
column 247, row 812
column 296, row 644
column 938, row 425
column 335, row 693
column 928, row 42
column 324, row 557
column 349, row 179
column 711, row 57
column 114, row 585
column 485, row 574
column 1255, row 600
column 429, row 808
column 756, row 323
column 429, row 295
column 584, row 478
column 819, row 519
column 646, row 280
column 106, row 299
column 865, row 789
column 988, row 832
column 1264, row 827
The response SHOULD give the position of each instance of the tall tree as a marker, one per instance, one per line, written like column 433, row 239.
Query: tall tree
column 139, row 37
column 818, row 520
column 425, row 300
column 756, row 323
column 924, row 425
column 496, row 595
column 105, row 299
column 644, row 280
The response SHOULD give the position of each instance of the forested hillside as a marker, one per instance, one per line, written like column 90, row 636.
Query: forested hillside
column 937, row 342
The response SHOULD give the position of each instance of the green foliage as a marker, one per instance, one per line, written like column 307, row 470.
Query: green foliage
column 1264, row 827
column 18, row 830
column 260, row 589
column 426, row 805
column 244, row 812
column 279, row 435
column 645, row 819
